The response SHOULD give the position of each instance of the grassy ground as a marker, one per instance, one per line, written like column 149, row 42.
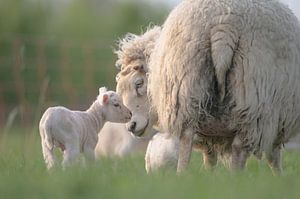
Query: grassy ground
column 23, row 175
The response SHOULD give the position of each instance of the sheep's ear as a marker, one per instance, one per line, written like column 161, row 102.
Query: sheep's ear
column 125, row 71
column 118, row 64
column 117, row 77
column 105, row 99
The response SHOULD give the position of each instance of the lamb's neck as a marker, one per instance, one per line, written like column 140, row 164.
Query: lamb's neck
column 96, row 116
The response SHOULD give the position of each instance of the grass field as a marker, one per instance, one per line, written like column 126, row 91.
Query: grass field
column 23, row 175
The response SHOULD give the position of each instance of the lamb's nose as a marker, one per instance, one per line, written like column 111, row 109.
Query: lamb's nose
column 132, row 126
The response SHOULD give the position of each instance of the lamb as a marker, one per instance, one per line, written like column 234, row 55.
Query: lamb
column 162, row 152
column 76, row 131
column 114, row 140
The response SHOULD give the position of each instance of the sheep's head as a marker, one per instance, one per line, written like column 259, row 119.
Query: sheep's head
column 114, row 109
column 133, row 57
column 133, row 89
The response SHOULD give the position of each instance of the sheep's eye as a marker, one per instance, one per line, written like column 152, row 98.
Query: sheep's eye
column 139, row 83
column 139, row 67
column 116, row 105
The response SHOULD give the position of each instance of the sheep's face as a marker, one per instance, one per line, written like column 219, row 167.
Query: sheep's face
column 132, row 87
column 114, row 109
column 133, row 55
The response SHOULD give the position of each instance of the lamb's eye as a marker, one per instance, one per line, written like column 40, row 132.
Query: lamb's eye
column 116, row 105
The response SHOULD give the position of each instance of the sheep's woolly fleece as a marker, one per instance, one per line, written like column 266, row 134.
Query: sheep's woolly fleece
column 228, row 69
column 135, row 47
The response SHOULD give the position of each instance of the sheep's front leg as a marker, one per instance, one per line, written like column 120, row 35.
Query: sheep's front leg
column 71, row 153
column 185, row 150
column 239, row 154
column 274, row 160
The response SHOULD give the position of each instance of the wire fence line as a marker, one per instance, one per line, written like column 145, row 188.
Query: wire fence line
column 37, row 72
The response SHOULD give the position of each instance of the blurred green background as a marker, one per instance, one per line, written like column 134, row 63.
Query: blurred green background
column 59, row 52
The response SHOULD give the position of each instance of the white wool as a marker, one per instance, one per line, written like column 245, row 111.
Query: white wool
column 136, row 47
column 162, row 152
column 115, row 140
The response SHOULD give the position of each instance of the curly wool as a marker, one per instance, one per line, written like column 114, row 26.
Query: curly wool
column 133, row 47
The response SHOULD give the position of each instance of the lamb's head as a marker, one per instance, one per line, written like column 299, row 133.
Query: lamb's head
column 133, row 57
column 114, row 109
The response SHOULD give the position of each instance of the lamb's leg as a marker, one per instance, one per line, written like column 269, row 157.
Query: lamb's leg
column 71, row 153
column 48, row 156
column 89, row 154
column 210, row 159
column 185, row 150
column 239, row 154
column 147, row 158
column 274, row 160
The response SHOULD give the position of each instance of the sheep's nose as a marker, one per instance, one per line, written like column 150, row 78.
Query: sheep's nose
column 132, row 126
column 130, row 113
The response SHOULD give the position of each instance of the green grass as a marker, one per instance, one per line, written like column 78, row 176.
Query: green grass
column 23, row 175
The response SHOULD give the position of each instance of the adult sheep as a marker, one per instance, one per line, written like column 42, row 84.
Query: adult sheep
column 228, row 71
column 133, row 59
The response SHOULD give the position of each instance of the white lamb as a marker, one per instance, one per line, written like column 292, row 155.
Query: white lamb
column 162, row 152
column 114, row 140
column 76, row 131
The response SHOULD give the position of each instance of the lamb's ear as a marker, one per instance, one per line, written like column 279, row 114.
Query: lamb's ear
column 102, row 90
column 105, row 99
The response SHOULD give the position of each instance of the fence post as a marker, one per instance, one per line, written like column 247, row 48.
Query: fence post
column 18, row 81
column 2, row 107
column 88, row 69
column 43, row 80
column 41, row 61
column 65, row 77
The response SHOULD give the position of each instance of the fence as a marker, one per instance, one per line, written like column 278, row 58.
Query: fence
column 37, row 72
